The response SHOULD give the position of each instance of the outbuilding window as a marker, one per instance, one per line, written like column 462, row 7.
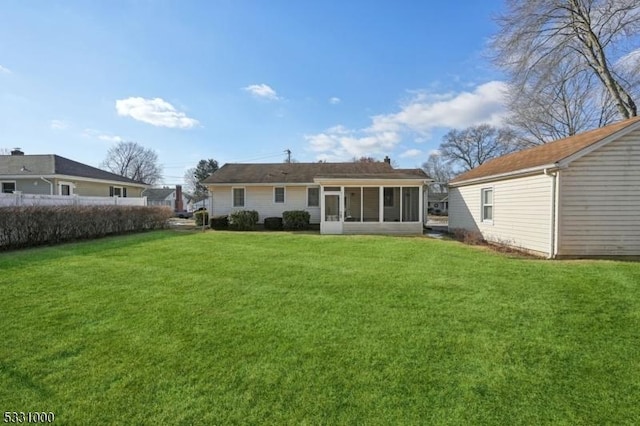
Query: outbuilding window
column 487, row 204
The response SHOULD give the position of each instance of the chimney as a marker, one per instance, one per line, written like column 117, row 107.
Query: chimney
column 387, row 159
column 179, row 206
column 17, row 151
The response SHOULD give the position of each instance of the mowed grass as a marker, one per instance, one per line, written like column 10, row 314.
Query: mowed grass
column 277, row 328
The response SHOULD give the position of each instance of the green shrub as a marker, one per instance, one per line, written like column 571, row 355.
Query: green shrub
column 273, row 223
column 296, row 219
column 202, row 217
column 219, row 222
column 28, row 226
column 243, row 220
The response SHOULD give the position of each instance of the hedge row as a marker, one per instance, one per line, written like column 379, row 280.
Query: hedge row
column 29, row 226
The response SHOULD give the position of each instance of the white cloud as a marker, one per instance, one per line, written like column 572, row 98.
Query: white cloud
column 92, row 133
column 58, row 125
column 5, row 70
column 411, row 153
column 630, row 63
column 334, row 100
column 156, row 112
column 263, row 91
column 485, row 104
column 418, row 117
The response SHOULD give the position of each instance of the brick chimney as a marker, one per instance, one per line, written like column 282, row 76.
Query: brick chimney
column 179, row 207
column 17, row 151
column 387, row 159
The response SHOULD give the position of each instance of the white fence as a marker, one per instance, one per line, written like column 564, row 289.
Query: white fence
column 7, row 200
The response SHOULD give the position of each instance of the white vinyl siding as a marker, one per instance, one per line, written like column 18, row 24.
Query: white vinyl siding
column 261, row 199
column 521, row 212
column 599, row 210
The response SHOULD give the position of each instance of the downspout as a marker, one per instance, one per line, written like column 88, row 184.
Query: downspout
column 552, row 234
column 50, row 185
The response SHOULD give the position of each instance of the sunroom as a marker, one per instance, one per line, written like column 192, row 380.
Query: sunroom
column 372, row 206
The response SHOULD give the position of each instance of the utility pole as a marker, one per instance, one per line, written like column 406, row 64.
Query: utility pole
column 288, row 151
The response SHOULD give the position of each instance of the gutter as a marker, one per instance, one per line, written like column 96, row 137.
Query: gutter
column 552, row 233
column 50, row 185
column 501, row 176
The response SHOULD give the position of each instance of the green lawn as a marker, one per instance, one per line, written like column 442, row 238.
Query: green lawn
column 177, row 327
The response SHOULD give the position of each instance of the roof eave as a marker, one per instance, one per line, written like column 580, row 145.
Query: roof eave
column 510, row 175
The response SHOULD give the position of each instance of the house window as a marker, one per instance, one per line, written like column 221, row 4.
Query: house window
column 115, row 191
column 8, row 187
column 238, row 197
column 313, row 197
column 278, row 195
column 65, row 189
column 487, row 204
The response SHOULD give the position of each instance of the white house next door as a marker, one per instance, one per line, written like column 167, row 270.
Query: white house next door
column 332, row 208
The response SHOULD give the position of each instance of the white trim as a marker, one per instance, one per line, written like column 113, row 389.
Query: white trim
column 75, row 178
column 508, row 175
column 244, row 196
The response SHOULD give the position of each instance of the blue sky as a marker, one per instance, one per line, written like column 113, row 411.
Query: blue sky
column 242, row 81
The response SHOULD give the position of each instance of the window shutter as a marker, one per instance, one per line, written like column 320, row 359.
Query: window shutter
column 111, row 191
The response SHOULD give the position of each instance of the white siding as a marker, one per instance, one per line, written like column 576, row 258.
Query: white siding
column 396, row 228
column 261, row 199
column 521, row 212
column 599, row 212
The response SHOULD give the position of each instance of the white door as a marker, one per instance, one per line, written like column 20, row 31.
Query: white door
column 332, row 208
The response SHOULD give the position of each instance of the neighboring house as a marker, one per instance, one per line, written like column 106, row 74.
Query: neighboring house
column 55, row 175
column 343, row 198
column 170, row 197
column 438, row 202
column 575, row 197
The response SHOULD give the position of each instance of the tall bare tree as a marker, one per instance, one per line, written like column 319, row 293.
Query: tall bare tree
column 476, row 145
column 129, row 159
column 439, row 170
column 537, row 38
column 571, row 103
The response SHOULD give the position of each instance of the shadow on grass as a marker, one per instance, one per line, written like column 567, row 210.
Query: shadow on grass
column 32, row 255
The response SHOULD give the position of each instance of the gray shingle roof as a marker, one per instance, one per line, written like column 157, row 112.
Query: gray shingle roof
column 157, row 194
column 51, row 164
column 306, row 172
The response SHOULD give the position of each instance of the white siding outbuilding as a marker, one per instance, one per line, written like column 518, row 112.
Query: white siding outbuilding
column 575, row 197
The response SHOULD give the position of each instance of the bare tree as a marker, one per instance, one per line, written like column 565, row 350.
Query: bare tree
column 5, row 151
column 476, row 145
column 364, row 159
column 571, row 103
column 537, row 37
column 129, row 159
column 439, row 170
